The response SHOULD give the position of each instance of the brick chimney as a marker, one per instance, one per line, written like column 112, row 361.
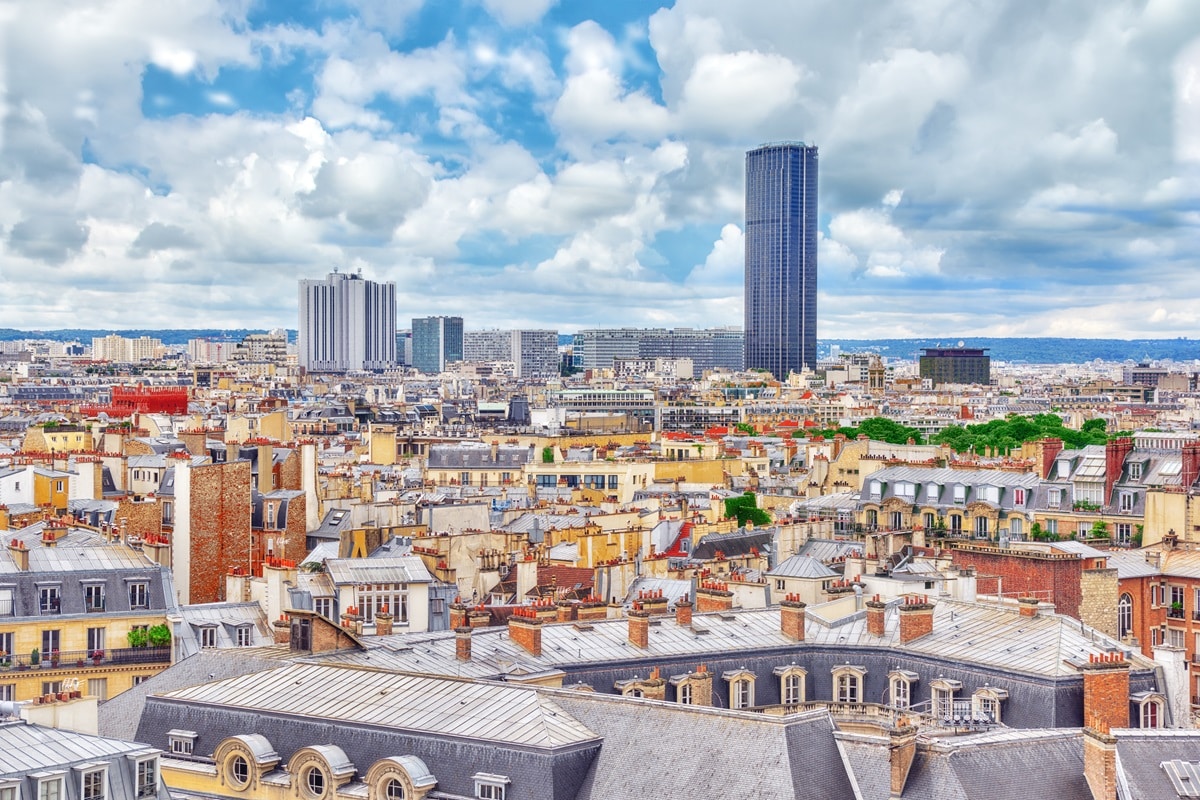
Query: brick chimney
column 20, row 554
column 478, row 617
column 1105, row 706
column 462, row 643
column 383, row 622
column 902, row 749
column 525, row 629
column 683, row 612
column 701, row 681
column 792, row 617
column 1048, row 450
column 1115, row 453
column 639, row 626
column 653, row 601
column 53, row 531
column 282, row 630
column 458, row 614
column 916, row 618
column 592, row 608
column 545, row 609
column 1191, row 464
column 1028, row 606
column 567, row 611
column 876, row 610
column 654, row 687
column 713, row 596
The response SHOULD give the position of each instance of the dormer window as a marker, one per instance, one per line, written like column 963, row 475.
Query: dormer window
column 960, row 493
column 1018, row 496
column 1135, row 470
column 490, row 787
column 1054, row 498
column 1064, row 469
column 1125, row 501
column 1150, row 709
column 741, row 688
column 791, row 684
column 900, row 683
column 986, row 703
column 876, row 488
column 932, row 492
column 848, row 683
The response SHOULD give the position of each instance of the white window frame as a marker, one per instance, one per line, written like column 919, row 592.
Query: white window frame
column 1054, row 498
column 94, row 597
column 848, row 683
column 102, row 771
column 245, row 637
column 7, row 601
column 1019, row 496
column 9, row 791
column 181, row 742
column 146, row 768
column 1125, row 615
column 50, row 787
column 1125, row 501
column 490, row 787
column 683, row 693
column 139, row 595
column 208, row 637
column 1150, row 710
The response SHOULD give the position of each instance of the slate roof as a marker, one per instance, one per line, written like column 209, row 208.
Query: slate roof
column 662, row 751
column 478, row 455
column 737, row 543
column 80, row 550
column 1141, row 754
column 1181, row 563
column 225, row 619
column 510, row 714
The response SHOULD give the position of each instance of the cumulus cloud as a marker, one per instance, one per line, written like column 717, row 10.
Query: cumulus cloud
column 48, row 239
column 161, row 236
column 518, row 12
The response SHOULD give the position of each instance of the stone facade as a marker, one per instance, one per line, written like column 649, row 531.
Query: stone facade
column 1098, row 600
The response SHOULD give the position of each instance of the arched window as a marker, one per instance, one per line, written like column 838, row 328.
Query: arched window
column 1151, row 709
column 791, row 684
column 684, row 693
column 741, row 688
column 941, row 692
column 872, row 516
column 848, row 683
column 900, row 683
column 1124, row 616
column 986, row 703
column 395, row 790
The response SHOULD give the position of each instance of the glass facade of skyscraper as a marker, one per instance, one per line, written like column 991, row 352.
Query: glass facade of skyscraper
column 781, row 258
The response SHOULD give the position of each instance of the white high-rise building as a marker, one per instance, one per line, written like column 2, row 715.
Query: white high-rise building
column 533, row 353
column 347, row 323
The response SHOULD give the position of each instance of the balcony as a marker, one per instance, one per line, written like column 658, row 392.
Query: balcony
column 1175, row 612
column 78, row 659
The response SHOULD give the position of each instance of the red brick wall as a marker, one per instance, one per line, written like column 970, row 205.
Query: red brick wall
column 639, row 628
column 141, row 518
column 710, row 600
column 1055, row 580
column 220, row 529
column 1106, row 695
column 290, row 472
column 915, row 622
column 527, row 633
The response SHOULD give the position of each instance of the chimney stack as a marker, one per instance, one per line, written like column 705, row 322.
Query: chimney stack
column 1115, row 453
column 639, row 626
column 916, row 618
column 792, row 617
column 1028, row 605
column 1049, row 448
column 701, row 681
column 876, row 615
column 282, row 630
column 478, row 617
column 20, row 555
column 458, row 614
column 525, row 629
column 1106, row 692
column 566, row 612
column 683, row 612
column 592, row 608
column 653, row 601
column 462, row 643
column 902, row 749
column 383, row 622
column 713, row 596
column 1191, row 464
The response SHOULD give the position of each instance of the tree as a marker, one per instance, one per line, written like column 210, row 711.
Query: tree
column 746, row 428
column 745, row 508
column 159, row 635
column 1100, row 529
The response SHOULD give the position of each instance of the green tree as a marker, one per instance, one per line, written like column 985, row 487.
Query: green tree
column 745, row 508
column 159, row 635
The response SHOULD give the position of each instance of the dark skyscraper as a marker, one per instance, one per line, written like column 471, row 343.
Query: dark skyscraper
column 781, row 258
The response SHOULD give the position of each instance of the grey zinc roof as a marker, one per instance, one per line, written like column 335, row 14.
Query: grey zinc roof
column 392, row 569
column 1142, row 754
column 971, row 633
column 80, row 550
column 802, row 567
column 1131, row 564
column 1181, row 563
column 826, row 550
column 26, row 748
column 511, row 714
column 758, row 756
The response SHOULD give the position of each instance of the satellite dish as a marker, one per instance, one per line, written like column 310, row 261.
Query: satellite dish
column 961, row 342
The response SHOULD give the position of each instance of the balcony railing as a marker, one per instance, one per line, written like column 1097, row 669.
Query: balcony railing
column 76, row 659
column 1175, row 613
column 954, row 714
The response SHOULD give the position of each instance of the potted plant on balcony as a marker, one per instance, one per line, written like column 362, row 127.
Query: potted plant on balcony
column 97, row 657
column 5, row 662
column 54, row 657
column 35, row 658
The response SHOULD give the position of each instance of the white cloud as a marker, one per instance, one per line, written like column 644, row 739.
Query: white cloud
column 513, row 13
column 734, row 93
column 870, row 240
column 725, row 264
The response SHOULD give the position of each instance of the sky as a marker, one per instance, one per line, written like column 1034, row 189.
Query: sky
column 987, row 167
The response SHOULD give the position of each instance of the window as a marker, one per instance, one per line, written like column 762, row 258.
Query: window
column 1052, row 526
column 239, row 770
column 373, row 597
column 612, row 481
column 48, row 599
column 1018, row 497
column 1016, row 526
column 960, row 493
column 981, row 527
column 58, row 485
column 323, row 606
column 1124, row 532
column 1125, row 501
column 1135, row 471
column 986, row 702
column 301, row 639
column 6, row 647
column 900, row 688
column 138, row 680
column 490, row 787
column 147, row 777
column 95, row 641
column 464, row 478
column 51, row 687
column 93, row 785
column 929, row 521
column 1084, row 530
column 1150, row 714
column 6, row 602
column 8, row 793
column 1155, row 595
column 244, row 638
column 50, row 641
column 1124, row 616
column 314, row 782
column 847, row 684
column 8, row 692
column 792, row 688
column 137, row 596
column 876, row 489
column 1054, row 498
column 896, row 520
column 208, row 637
column 684, row 693
column 956, row 523
column 780, row 583
column 93, row 597
column 394, row 790
column 741, row 693
column 932, row 491
column 50, row 789
column 98, row 688
column 941, row 693
column 1176, row 609
column 1175, row 637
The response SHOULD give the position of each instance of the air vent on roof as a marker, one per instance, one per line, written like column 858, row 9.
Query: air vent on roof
column 727, row 617
column 583, row 626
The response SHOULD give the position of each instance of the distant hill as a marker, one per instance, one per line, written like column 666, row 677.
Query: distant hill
column 1032, row 350
column 165, row 335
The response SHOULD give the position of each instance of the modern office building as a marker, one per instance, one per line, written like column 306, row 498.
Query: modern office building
column 347, row 323
column 956, row 365
column 436, row 342
column 781, row 258
column 711, row 348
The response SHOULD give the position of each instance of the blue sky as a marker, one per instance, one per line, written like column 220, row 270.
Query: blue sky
column 987, row 167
